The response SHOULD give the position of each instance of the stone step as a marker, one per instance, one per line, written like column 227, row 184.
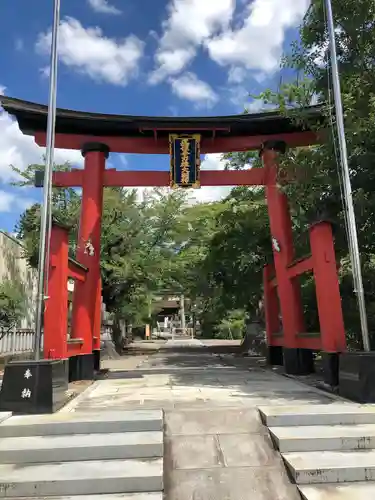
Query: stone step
column 330, row 414
column 81, row 447
column 4, row 415
column 348, row 491
column 331, row 466
column 81, row 478
column 324, row 438
column 82, row 423
column 115, row 496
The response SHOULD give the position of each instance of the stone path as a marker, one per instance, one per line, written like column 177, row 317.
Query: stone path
column 216, row 446
column 182, row 374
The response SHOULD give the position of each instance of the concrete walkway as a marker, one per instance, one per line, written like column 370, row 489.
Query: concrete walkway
column 216, row 446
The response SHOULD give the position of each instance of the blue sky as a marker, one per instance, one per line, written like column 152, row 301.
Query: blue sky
column 140, row 57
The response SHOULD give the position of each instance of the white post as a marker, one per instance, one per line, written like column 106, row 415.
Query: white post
column 182, row 312
column 47, row 188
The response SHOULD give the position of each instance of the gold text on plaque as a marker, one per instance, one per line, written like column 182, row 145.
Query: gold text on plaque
column 185, row 171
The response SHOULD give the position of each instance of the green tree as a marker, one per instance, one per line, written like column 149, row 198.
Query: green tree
column 12, row 306
column 146, row 246
column 232, row 326
column 231, row 272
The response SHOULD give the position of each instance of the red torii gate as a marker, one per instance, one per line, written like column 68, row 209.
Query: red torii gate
column 96, row 135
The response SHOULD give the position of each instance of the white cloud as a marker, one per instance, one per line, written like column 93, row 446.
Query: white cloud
column 12, row 202
column 20, row 150
column 171, row 62
column 237, row 75
column 89, row 52
column 254, row 44
column 207, row 194
column 103, row 7
column 213, row 161
column 189, row 23
column 259, row 106
column 188, row 86
column 257, row 44
column 123, row 160
column 19, row 44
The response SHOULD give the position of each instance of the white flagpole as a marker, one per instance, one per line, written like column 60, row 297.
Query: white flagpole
column 47, row 188
column 353, row 243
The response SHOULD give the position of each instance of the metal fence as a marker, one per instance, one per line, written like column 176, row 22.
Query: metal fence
column 22, row 341
column 17, row 341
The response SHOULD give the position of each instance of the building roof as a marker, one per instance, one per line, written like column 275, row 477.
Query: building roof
column 32, row 118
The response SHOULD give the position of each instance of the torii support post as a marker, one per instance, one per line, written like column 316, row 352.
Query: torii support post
column 40, row 386
column 97, row 327
column 85, row 298
column 297, row 361
column 328, row 298
column 61, row 268
column 331, row 341
column 56, row 310
column 272, row 311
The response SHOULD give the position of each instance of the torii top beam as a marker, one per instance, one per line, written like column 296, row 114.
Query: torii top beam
column 150, row 135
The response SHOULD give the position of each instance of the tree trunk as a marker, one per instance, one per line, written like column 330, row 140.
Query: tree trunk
column 117, row 334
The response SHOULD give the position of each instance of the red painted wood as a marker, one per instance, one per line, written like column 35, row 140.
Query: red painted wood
column 313, row 343
column 300, row 267
column 327, row 288
column 281, row 229
column 74, row 349
column 76, row 272
column 98, row 316
column 178, row 130
column 275, row 341
column 271, row 305
column 56, row 311
column 148, row 145
column 68, row 179
column 115, row 178
column 84, row 301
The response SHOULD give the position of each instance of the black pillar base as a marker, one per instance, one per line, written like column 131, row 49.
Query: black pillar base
column 31, row 387
column 331, row 368
column 275, row 355
column 81, row 367
column 96, row 355
column 298, row 361
column 357, row 376
column 73, row 369
column 87, row 366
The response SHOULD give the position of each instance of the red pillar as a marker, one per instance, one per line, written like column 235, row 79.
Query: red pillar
column 271, row 305
column 328, row 297
column 97, row 326
column 296, row 360
column 88, row 251
column 98, row 316
column 56, row 311
column 271, row 313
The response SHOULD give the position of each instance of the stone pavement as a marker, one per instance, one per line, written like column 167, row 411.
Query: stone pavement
column 216, row 446
column 182, row 374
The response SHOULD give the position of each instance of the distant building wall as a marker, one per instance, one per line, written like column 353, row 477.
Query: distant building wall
column 14, row 266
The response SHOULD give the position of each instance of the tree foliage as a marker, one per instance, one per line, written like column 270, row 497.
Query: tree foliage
column 12, row 306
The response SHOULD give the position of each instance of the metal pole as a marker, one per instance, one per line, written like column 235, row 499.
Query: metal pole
column 46, row 208
column 353, row 243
